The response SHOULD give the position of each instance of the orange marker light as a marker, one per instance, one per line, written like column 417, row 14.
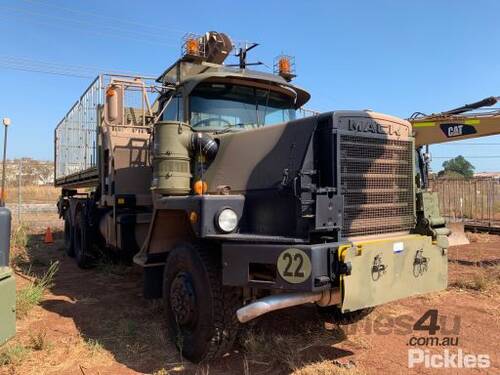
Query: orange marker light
column 110, row 92
column 193, row 217
column 200, row 187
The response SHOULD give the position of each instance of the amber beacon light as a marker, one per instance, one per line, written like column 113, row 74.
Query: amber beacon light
column 284, row 66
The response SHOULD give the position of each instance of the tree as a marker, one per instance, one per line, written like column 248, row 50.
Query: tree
column 457, row 167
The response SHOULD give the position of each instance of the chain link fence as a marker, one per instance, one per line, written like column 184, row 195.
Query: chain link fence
column 29, row 191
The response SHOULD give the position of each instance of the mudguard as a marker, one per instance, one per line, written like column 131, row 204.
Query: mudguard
column 389, row 269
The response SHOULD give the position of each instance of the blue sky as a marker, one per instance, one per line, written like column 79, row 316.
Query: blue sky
column 395, row 57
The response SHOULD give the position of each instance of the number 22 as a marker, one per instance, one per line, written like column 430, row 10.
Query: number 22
column 298, row 270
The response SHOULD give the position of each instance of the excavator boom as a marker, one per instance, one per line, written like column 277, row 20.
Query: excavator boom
column 457, row 124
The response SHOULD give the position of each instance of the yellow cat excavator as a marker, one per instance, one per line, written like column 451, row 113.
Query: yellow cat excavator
column 469, row 121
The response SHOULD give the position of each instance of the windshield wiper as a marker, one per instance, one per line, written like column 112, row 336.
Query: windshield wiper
column 239, row 126
column 227, row 129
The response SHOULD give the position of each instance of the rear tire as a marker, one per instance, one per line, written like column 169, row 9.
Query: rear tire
column 69, row 240
column 82, row 240
column 200, row 311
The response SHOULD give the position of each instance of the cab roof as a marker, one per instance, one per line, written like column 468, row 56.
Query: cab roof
column 190, row 73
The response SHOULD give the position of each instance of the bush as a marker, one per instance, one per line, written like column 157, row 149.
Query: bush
column 19, row 237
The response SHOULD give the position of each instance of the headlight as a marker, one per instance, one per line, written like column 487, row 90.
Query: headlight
column 227, row 220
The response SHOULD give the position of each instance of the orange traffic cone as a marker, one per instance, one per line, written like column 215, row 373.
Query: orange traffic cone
column 48, row 237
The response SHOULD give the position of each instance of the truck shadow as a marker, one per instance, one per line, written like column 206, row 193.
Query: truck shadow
column 108, row 310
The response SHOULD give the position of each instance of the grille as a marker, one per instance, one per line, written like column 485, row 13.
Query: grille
column 377, row 184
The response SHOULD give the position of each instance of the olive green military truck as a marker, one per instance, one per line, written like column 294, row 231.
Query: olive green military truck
column 236, row 202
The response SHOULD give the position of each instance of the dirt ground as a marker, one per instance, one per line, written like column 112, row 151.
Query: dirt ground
column 96, row 322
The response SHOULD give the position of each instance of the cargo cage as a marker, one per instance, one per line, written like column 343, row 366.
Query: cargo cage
column 76, row 135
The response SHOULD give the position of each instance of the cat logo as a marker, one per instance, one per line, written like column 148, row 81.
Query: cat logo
column 457, row 130
column 454, row 131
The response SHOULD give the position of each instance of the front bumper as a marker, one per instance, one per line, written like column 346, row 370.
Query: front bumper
column 258, row 265
column 387, row 270
column 368, row 272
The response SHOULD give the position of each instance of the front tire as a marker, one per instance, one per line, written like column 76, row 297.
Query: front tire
column 200, row 311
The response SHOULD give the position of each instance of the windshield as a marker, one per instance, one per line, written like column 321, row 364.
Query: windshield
column 218, row 106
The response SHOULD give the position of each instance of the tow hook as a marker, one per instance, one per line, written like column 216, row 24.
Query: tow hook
column 420, row 264
column 378, row 268
column 345, row 268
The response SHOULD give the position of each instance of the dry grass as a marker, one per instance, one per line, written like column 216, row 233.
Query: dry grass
column 32, row 194
column 32, row 294
column 479, row 237
column 13, row 354
column 127, row 328
column 93, row 346
column 480, row 281
column 328, row 367
column 274, row 350
column 110, row 266
column 38, row 341
column 40, row 356
column 19, row 237
column 286, row 349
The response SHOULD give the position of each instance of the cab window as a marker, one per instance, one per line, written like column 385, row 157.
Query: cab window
column 218, row 106
column 174, row 109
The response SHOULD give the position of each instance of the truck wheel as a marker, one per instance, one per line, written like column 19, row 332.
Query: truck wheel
column 200, row 311
column 333, row 314
column 69, row 242
column 82, row 240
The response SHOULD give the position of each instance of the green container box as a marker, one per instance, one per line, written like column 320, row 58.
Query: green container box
column 7, row 305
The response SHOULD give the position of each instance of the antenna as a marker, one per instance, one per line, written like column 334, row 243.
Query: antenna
column 242, row 54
